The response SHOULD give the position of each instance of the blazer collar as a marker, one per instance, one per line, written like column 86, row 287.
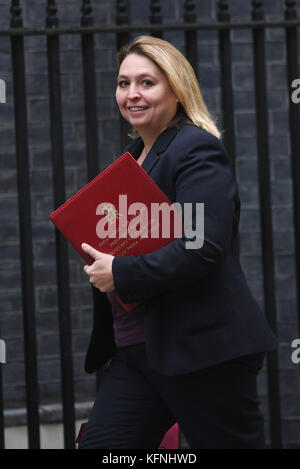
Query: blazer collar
column 159, row 146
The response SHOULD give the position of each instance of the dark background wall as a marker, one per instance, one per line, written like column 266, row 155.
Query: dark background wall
column 108, row 124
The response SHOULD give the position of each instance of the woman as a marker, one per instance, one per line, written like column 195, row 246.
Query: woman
column 191, row 352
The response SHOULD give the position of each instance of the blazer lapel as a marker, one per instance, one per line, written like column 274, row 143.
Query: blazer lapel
column 135, row 148
column 150, row 160
column 159, row 146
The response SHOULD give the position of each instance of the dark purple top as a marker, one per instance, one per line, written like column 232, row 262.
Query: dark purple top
column 128, row 326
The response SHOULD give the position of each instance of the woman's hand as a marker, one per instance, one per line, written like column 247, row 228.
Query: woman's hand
column 100, row 272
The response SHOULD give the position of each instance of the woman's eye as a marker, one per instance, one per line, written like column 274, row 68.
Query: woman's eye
column 147, row 83
column 123, row 83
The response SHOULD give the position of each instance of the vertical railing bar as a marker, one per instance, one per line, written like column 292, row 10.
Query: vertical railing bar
column 191, row 47
column 90, row 93
column 225, row 58
column 24, row 202
column 122, row 18
column 266, row 220
column 294, row 119
column 65, row 327
column 155, row 17
column 90, row 106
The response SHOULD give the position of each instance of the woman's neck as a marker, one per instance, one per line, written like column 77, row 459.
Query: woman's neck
column 149, row 138
column 148, row 141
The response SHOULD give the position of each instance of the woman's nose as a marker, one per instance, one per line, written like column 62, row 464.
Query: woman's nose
column 133, row 92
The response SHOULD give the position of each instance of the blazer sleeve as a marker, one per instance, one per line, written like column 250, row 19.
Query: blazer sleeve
column 201, row 174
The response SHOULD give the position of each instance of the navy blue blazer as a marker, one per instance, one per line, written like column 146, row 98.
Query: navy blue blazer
column 198, row 310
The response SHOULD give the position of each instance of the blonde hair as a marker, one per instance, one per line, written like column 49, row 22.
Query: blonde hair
column 181, row 77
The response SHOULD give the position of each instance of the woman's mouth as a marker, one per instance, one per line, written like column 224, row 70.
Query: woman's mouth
column 136, row 109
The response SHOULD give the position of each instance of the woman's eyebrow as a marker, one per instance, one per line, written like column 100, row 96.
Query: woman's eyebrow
column 141, row 75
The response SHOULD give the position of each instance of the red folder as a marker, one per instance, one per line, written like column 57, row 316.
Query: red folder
column 98, row 216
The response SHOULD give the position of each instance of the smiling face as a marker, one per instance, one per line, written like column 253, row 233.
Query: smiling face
column 144, row 96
